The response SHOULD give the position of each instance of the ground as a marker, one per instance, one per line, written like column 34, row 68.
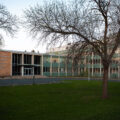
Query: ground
column 70, row 100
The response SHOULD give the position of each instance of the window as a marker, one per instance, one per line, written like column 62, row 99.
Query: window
column 37, row 70
column 28, row 70
column 16, row 58
column 46, row 59
column 54, row 69
column 81, row 69
column 27, row 59
column 46, row 69
column 37, row 60
column 76, row 69
column 62, row 69
column 16, row 61
column 54, row 61
column 69, row 70
column 16, row 70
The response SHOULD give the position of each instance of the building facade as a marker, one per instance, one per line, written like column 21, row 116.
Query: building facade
column 17, row 63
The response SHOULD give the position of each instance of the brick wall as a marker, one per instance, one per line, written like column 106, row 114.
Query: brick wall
column 5, row 63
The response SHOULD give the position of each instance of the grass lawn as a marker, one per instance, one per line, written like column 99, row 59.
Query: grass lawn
column 71, row 100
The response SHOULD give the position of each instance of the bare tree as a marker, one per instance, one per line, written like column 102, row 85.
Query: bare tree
column 8, row 23
column 94, row 24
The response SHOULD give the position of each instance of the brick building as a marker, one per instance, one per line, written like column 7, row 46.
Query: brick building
column 17, row 63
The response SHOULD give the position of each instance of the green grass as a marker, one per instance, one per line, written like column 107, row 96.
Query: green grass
column 71, row 100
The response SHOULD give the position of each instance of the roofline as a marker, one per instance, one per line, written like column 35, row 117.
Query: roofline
column 16, row 51
column 25, row 52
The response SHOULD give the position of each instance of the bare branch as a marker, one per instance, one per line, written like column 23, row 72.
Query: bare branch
column 8, row 22
column 93, row 25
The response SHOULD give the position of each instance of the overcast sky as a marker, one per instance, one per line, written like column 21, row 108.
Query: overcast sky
column 22, row 40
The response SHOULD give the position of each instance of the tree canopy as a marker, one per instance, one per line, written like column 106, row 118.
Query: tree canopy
column 94, row 23
column 8, row 23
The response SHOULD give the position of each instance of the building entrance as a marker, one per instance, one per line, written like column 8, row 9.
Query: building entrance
column 28, row 71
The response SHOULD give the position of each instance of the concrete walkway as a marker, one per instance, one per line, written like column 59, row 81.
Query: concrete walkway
column 12, row 82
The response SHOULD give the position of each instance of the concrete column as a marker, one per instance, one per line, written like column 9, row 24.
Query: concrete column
column 51, row 65
column 72, row 68
column 33, row 63
column 42, row 65
column 118, row 72
column 59, row 66
column 66, row 66
column 78, row 68
column 85, row 63
column 88, row 66
column 92, row 64
column 22, row 69
column 100, row 67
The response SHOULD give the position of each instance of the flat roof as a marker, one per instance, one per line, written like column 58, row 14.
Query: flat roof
column 26, row 52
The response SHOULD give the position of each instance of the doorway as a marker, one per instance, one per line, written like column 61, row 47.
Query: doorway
column 28, row 71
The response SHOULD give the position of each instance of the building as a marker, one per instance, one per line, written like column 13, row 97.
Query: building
column 17, row 63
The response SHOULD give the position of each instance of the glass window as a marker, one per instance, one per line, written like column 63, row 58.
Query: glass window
column 16, row 58
column 27, row 59
column 46, row 69
column 37, row 60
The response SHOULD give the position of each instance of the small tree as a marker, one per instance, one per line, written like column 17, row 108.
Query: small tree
column 94, row 23
column 8, row 22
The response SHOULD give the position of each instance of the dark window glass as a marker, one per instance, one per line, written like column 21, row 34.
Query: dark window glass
column 37, row 60
column 37, row 70
column 46, row 69
column 16, row 58
column 27, row 59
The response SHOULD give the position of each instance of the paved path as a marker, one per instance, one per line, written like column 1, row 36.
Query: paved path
column 12, row 82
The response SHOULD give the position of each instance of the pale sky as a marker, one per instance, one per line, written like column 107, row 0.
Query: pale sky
column 22, row 40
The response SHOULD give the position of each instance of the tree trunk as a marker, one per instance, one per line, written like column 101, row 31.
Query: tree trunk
column 105, row 83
